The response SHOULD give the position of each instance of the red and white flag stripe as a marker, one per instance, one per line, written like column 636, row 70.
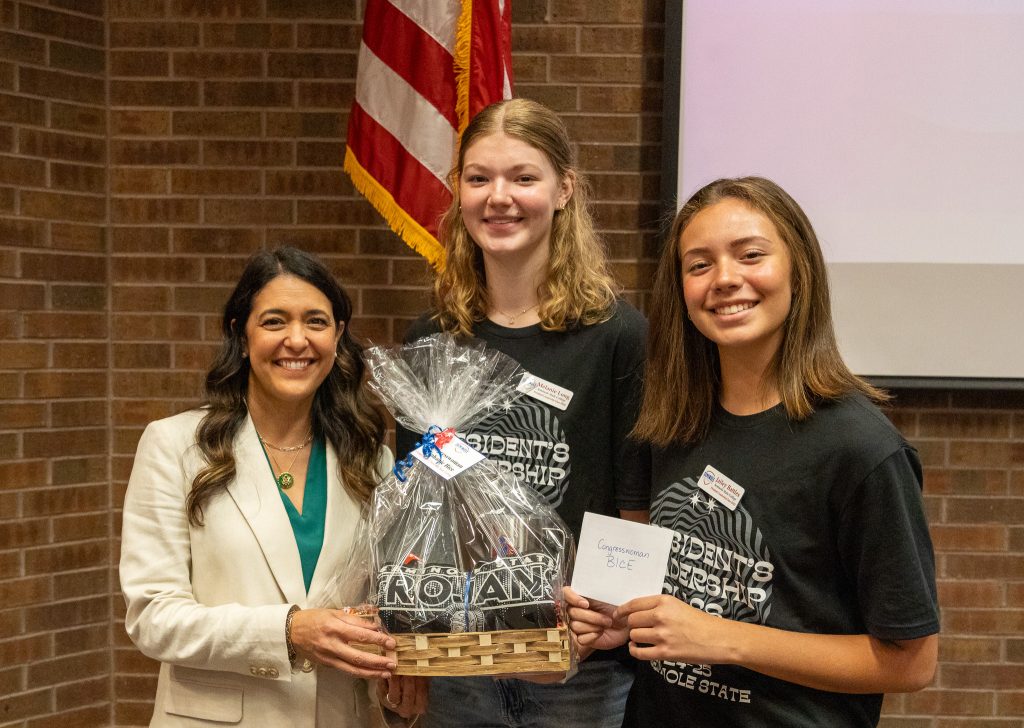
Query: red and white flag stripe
column 426, row 67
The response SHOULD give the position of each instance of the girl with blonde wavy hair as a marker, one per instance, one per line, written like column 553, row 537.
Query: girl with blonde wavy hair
column 526, row 273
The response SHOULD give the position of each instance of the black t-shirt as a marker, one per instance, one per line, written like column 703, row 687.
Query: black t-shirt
column 829, row 537
column 579, row 458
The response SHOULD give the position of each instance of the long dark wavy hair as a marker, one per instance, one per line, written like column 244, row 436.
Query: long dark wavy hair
column 342, row 412
column 682, row 377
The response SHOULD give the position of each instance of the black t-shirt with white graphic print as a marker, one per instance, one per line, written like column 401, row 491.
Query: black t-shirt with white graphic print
column 828, row 537
column 579, row 458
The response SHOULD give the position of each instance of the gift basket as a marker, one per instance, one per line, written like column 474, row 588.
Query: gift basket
column 465, row 564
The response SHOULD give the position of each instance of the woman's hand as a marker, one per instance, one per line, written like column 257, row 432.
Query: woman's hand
column 593, row 623
column 324, row 636
column 670, row 629
column 404, row 694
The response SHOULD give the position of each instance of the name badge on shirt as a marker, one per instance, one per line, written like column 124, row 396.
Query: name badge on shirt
column 721, row 488
column 533, row 386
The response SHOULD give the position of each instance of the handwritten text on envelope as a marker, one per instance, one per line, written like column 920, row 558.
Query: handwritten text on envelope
column 619, row 560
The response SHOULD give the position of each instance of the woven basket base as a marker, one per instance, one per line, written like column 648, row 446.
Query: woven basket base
column 479, row 653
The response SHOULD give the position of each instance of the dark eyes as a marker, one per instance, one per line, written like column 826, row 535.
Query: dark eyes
column 274, row 323
column 478, row 179
column 751, row 255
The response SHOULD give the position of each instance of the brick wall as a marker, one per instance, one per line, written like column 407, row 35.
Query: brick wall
column 972, row 447
column 55, row 518
column 133, row 184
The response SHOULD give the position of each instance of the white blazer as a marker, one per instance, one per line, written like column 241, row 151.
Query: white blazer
column 209, row 602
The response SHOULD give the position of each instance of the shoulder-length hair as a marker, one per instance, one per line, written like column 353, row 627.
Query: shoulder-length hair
column 577, row 288
column 342, row 413
column 682, row 372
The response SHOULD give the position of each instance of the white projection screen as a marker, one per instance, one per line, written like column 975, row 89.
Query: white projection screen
column 898, row 125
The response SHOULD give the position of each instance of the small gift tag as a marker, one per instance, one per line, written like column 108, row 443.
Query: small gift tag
column 450, row 457
column 552, row 394
column 721, row 488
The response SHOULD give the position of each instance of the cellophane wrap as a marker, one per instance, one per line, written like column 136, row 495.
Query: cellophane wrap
column 478, row 552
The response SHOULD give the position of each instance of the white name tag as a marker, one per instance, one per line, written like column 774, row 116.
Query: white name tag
column 456, row 455
column 619, row 560
column 721, row 488
column 552, row 394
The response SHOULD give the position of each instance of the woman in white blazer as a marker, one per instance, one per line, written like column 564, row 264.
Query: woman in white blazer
column 239, row 514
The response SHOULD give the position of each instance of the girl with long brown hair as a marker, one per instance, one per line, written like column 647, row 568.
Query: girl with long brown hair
column 801, row 585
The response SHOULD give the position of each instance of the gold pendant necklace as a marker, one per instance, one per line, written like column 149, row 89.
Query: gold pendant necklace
column 511, row 318
column 285, row 480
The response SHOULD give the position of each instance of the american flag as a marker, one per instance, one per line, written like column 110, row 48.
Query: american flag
column 426, row 67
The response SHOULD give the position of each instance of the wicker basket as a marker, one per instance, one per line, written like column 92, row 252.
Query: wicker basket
column 479, row 653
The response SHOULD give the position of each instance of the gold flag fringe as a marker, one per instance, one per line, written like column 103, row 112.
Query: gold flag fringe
column 414, row 234
column 463, row 48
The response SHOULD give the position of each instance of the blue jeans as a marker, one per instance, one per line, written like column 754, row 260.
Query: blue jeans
column 594, row 698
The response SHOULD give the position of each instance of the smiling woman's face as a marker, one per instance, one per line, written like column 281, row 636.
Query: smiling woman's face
column 509, row 193
column 736, row 273
column 291, row 338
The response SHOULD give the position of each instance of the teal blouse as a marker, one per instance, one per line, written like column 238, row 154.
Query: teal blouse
column 308, row 526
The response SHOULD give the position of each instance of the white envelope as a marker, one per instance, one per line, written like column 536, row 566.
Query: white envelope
column 618, row 560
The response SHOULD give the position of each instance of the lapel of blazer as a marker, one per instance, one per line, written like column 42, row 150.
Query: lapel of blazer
column 257, row 497
column 340, row 524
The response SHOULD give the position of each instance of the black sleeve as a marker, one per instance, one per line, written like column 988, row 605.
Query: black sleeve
column 405, row 441
column 632, row 458
column 425, row 325
column 886, row 548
